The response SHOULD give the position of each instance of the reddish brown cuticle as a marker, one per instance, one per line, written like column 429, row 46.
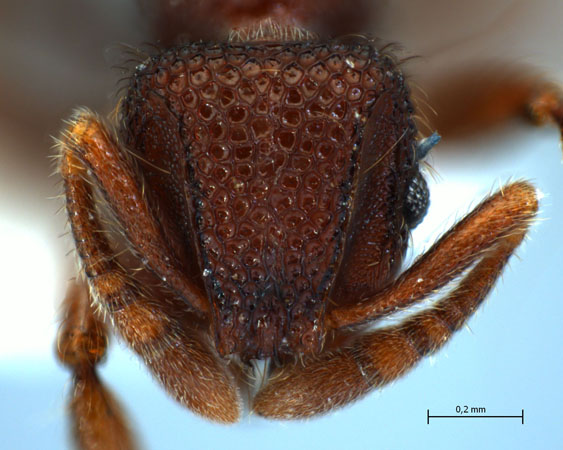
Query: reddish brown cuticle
column 272, row 133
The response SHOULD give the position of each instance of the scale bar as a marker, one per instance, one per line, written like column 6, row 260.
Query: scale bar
column 462, row 416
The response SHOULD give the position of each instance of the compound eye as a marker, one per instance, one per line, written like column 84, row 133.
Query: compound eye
column 416, row 201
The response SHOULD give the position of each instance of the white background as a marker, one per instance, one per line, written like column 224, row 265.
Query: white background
column 57, row 55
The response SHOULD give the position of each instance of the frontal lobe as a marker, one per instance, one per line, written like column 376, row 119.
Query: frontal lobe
column 270, row 136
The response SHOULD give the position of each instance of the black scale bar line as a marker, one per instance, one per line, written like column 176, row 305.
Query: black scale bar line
column 462, row 416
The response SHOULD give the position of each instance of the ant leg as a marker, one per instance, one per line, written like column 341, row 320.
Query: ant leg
column 158, row 330
column 97, row 419
column 510, row 209
column 94, row 147
column 481, row 96
column 338, row 377
column 547, row 106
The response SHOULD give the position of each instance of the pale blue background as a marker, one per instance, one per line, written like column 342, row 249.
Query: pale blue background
column 510, row 359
